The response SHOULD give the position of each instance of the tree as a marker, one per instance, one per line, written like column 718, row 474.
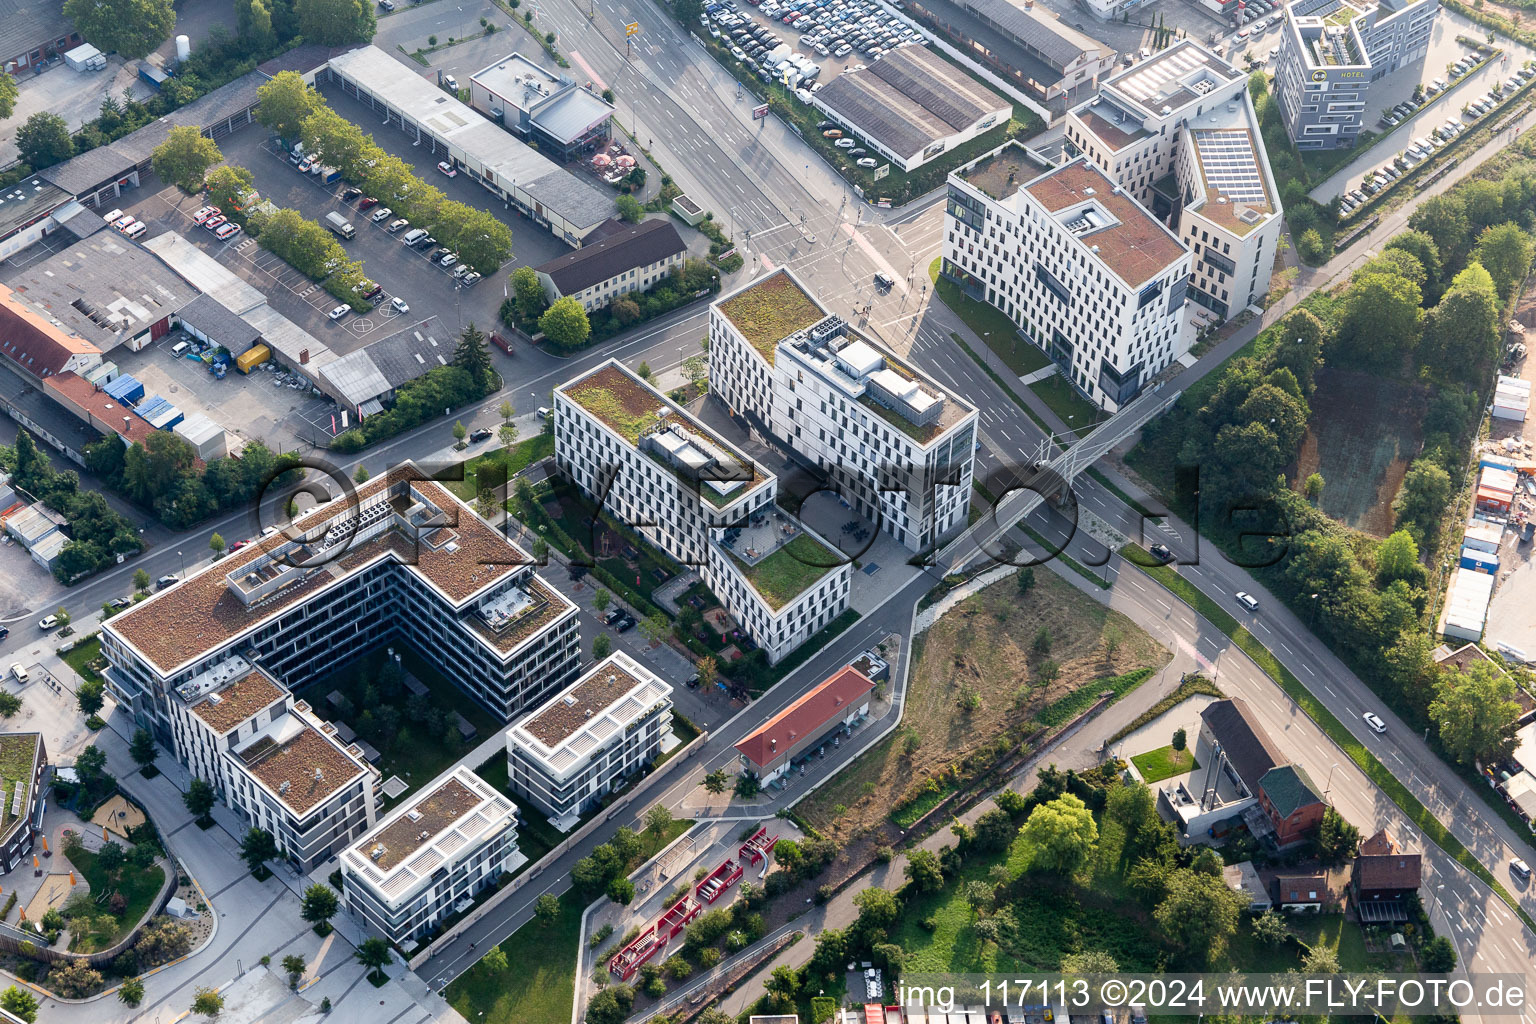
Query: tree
column 184, row 157
column 629, row 208
column 696, row 369
column 1438, row 956
column 283, row 104
column 486, row 505
column 831, row 953
column 43, row 140
column 482, row 241
column 644, row 370
column 256, row 849
column 1089, row 961
column 472, row 354
column 361, row 474
column 1444, row 219
column 717, row 781
column 131, row 992
column 110, row 858
column 9, row 705
column 1059, row 835
column 1475, row 713
column 207, row 1002
column 528, row 293
column 546, row 909
column 655, row 627
column 216, row 544
column 227, row 186
column 129, row 27
column 923, row 871
column 601, row 599
column 611, row 1005
column 602, row 646
column 253, row 20
column 319, row 905
column 978, row 896
column 8, row 96
column 1421, row 499
column 1505, row 252
column 495, row 959
column 460, row 431
column 1461, row 333
column 1320, row 959
column 1381, row 317
column 90, row 696
column 1314, row 485
column 565, row 323
column 621, row 891
column 1424, row 250
column 141, row 581
column 376, row 955
column 91, row 766
column 1269, row 928
column 20, row 1002
column 294, row 966
column 783, row 985
column 657, row 820
column 333, row 22
column 709, row 670
column 1397, row 557
column 1337, row 839
column 199, row 799
column 1199, row 912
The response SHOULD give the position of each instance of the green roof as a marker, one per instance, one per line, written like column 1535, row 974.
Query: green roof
column 18, row 753
column 789, row 571
column 1288, row 789
column 770, row 311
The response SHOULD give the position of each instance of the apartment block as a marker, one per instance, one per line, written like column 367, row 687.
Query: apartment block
column 898, row 446
column 23, row 759
column 1085, row 271
column 1179, row 133
column 1331, row 51
column 430, row 857
column 398, row 561
column 653, row 466
column 589, row 738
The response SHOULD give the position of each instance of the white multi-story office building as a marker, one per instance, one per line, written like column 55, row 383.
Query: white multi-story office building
column 401, row 561
column 1083, row 269
column 656, row 468
column 273, row 761
column 899, row 447
column 430, row 856
column 1330, row 53
column 1179, row 133
column 589, row 738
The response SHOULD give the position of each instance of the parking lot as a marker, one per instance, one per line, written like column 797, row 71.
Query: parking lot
column 833, row 34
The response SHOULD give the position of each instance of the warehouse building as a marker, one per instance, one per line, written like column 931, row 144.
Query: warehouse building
column 512, row 171
column 96, row 407
column 633, row 259
column 28, row 213
column 363, row 381
column 912, row 105
column 35, row 30
column 539, row 106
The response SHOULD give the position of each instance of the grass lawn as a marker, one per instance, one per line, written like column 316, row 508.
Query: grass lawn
column 789, row 571
column 139, row 888
column 1164, row 763
column 501, row 469
column 538, row 986
column 79, row 657
column 1075, row 411
column 991, row 325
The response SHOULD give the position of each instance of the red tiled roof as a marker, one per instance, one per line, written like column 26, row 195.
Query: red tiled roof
column 1136, row 249
column 1394, row 871
column 32, row 342
column 1379, row 845
column 97, row 408
column 805, row 717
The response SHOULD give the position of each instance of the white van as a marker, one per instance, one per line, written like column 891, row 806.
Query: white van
column 136, row 229
column 412, row 237
column 178, row 348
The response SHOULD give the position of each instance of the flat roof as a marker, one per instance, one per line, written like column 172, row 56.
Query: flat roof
column 1037, row 28
column 1113, row 127
column 216, row 320
column 1002, row 172
column 507, row 162
column 230, row 705
column 27, row 202
column 568, row 116
column 1181, row 74
column 584, row 717
column 204, row 611
column 1135, row 245
column 768, row 311
column 299, row 764
column 205, row 273
column 103, row 288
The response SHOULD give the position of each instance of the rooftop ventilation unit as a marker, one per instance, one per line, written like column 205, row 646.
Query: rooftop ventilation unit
column 1167, row 110
column 568, row 700
column 215, row 699
column 413, row 814
column 283, row 788
column 377, row 851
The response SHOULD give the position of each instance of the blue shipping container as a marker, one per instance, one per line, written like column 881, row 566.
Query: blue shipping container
column 1479, row 561
column 125, row 389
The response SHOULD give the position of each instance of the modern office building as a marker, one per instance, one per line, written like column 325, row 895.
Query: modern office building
column 1179, row 133
column 691, row 493
column 899, row 447
column 540, row 106
column 634, row 259
column 23, row 759
column 399, row 561
column 430, row 857
column 1085, row 271
column 1331, row 51
column 590, row 738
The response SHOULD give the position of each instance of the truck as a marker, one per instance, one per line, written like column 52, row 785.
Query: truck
column 329, row 174
column 339, row 225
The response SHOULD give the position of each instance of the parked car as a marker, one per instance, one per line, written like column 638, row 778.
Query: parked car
column 832, row 133
column 625, row 624
column 237, row 545
column 447, row 168
column 168, row 580
column 111, row 215
column 368, row 203
column 340, row 311
column 350, row 193
column 117, row 604
column 1162, row 553
column 382, row 214
column 213, row 223
column 448, row 259
column 18, row 673
column 470, row 278
column 306, row 164
column 400, row 305
column 868, row 162
column 461, row 271
column 397, row 224
column 204, row 214
column 225, row 231
column 614, row 615
column 125, row 222
column 450, row 83
column 845, row 143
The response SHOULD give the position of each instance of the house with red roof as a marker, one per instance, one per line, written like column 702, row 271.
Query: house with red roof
column 832, row 707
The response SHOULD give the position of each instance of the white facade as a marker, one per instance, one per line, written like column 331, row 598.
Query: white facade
column 444, row 846
column 685, row 490
column 1331, row 52
column 590, row 737
column 1179, row 133
column 899, row 447
column 1085, row 272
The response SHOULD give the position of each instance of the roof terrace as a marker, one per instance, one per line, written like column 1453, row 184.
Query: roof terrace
column 778, row 556
column 1001, row 172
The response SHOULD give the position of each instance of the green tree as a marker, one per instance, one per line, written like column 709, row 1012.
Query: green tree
column 333, row 22
column 131, row 28
column 1337, row 839
column 361, row 474
column 257, row 848
column 1320, row 959
column 375, row 955
column 283, row 104
column 717, row 781
column 141, row 581
column 546, row 909
column 528, row 293
column 1311, row 247
column 216, row 544
column 831, row 955
column 460, row 431
column 657, row 820
column 611, row 1005
column 1199, row 912
column 709, row 670
column 1421, row 499
column 227, row 185
column 481, row 240
column 1397, row 557
column 629, row 208
column 207, row 1002
column 602, row 646
column 142, row 748
column 655, row 627
column 1461, row 333
column 43, row 140
column 1505, row 252
column 1314, row 485
column 1380, row 318
column 1424, row 249
column 472, row 354
column 8, row 96
column 131, row 992
column 495, row 960
column 1269, row 928
column 199, row 799
column 565, row 323
column 184, row 157
column 601, row 599
column 152, row 468
column 1059, row 835
column 923, row 870
column 1475, row 713
column 253, row 20
column 294, row 966
column 783, row 985
column 90, row 696
column 319, row 905
column 1444, row 219
column 621, row 891
column 1439, row 956
column 91, row 766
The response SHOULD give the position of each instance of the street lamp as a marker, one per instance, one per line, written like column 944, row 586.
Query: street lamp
column 183, row 562
column 1312, row 618
column 1329, row 786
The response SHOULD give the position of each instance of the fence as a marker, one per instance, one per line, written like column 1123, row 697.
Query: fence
column 642, row 787
column 13, row 939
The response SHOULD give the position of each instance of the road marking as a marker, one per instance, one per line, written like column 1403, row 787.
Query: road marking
column 1309, row 670
column 1330, row 690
